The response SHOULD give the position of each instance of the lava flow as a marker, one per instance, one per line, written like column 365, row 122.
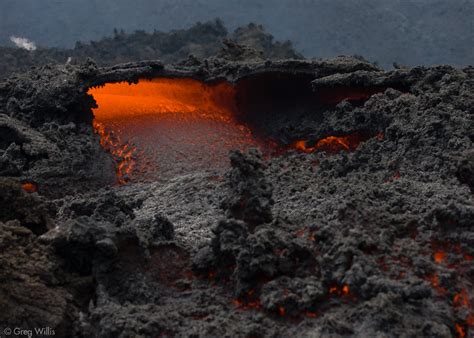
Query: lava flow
column 152, row 126
column 165, row 127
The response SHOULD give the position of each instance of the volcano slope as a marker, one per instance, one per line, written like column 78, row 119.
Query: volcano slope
column 201, row 40
column 358, row 222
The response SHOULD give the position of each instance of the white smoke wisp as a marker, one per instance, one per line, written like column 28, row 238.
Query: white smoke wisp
column 23, row 43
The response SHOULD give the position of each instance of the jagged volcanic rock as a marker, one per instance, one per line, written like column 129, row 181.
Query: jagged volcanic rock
column 373, row 240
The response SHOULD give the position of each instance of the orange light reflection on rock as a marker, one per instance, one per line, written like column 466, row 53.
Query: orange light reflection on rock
column 162, row 96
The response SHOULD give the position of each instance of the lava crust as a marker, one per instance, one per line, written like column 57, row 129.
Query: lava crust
column 353, row 219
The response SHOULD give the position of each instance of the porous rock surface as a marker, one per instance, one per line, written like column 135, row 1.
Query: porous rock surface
column 318, row 244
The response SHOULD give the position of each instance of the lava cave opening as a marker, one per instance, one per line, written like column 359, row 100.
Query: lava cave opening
column 152, row 125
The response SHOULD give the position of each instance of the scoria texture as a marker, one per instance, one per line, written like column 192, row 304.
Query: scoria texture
column 375, row 240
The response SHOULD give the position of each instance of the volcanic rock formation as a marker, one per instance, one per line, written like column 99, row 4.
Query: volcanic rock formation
column 354, row 219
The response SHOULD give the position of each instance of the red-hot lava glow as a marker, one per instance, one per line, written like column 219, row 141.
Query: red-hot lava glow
column 247, row 305
column 460, row 330
column 340, row 291
column 172, row 121
column 164, row 127
column 439, row 256
column 123, row 153
column 461, row 299
column 29, row 187
column 332, row 144
column 451, row 256
column 163, row 95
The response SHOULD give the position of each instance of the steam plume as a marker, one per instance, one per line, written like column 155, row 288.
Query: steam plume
column 23, row 43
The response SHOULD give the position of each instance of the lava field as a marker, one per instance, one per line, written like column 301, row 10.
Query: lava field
column 235, row 196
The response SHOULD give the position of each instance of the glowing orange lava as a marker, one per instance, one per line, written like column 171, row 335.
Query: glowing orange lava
column 161, row 96
column 246, row 305
column 460, row 330
column 455, row 261
column 340, row 291
column 155, row 124
column 123, row 153
column 470, row 319
column 439, row 256
column 461, row 299
column 435, row 282
column 29, row 187
column 332, row 144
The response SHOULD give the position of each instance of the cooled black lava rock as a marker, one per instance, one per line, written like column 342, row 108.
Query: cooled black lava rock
column 250, row 195
column 465, row 170
column 34, row 290
column 17, row 204
column 377, row 241
column 292, row 295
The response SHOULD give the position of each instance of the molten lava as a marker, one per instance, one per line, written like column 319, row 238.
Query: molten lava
column 340, row 291
column 452, row 256
column 332, row 144
column 461, row 299
column 171, row 121
column 161, row 96
column 439, row 256
column 460, row 330
column 29, row 187
column 167, row 126
column 123, row 153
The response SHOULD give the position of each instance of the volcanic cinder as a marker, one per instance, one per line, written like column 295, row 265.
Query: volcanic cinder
column 235, row 196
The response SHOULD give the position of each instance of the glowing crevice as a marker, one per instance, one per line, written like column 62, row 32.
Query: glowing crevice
column 178, row 124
